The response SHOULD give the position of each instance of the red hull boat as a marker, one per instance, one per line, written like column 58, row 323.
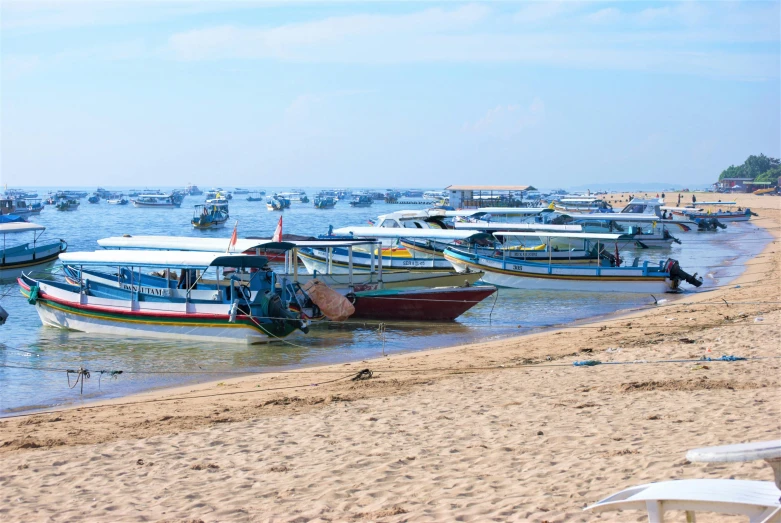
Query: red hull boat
column 437, row 304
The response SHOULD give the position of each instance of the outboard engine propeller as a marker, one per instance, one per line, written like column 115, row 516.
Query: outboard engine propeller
column 283, row 315
column 676, row 273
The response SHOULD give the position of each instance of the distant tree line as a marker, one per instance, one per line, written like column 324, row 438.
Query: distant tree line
column 759, row 168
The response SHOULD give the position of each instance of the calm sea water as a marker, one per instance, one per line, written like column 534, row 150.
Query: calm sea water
column 149, row 364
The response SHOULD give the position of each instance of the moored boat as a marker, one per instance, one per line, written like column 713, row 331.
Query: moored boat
column 20, row 206
column 361, row 200
column 256, row 196
column 16, row 257
column 508, row 272
column 277, row 203
column 70, row 204
column 160, row 201
column 437, row 304
column 324, row 202
column 233, row 311
column 210, row 216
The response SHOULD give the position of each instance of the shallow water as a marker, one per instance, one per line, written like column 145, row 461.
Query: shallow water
column 148, row 364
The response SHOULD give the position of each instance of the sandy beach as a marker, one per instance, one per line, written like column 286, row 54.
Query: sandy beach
column 507, row 430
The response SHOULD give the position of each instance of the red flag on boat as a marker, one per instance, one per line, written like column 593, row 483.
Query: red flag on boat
column 234, row 236
column 278, row 232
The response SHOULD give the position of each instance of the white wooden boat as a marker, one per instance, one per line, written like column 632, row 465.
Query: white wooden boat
column 159, row 201
column 232, row 312
column 336, row 276
column 18, row 256
column 522, row 274
column 721, row 211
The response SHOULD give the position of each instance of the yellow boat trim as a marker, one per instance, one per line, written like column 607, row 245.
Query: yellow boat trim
column 54, row 305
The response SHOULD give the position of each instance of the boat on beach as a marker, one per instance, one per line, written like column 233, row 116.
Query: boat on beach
column 406, row 295
column 436, row 304
column 231, row 311
column 17, row 256
column 502, row 271
column 721, row 211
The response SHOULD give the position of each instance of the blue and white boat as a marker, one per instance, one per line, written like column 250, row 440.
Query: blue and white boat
column 324, row 202
column 517, row 273
column 210, row 216
column 20, row 206
column 159, row 201
column 361, row 200
column 277, row 203
column 17, row 256
column 232, row 310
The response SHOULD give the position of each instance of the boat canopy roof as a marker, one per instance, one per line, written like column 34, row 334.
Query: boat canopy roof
column 498, row 226
column 15, row 226
column 403, row 232
column 579, row 236
column 163, row 259
column 680, row 209
column 188, row 243
column 616, row 217
column 716, row 203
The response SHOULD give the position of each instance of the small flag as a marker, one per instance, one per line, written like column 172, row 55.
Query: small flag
column 278, row 232
column 371, row 222
column 234, row 236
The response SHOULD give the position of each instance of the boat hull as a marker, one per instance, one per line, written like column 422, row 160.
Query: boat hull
column 136, row 203
column 101, row 316
column 439, row 304
column 12, row 266
column 560, row 278
column 317, row 258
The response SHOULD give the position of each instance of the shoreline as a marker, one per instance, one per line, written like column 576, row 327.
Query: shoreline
column 317, row 368
column 506, row 429
column 313, row 367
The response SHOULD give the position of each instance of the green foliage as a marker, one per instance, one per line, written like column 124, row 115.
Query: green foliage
column 769, row 176
column 753, row 167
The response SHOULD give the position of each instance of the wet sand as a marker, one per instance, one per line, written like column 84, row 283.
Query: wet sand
column 508, row 430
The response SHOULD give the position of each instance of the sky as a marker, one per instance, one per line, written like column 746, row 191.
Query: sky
column 385, row 94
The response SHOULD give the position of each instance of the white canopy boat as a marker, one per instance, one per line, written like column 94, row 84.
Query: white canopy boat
column 509, row 272
column 16, row 256
column 726, row 212
column 160, row 201
column 335, row 274
column 229, row 312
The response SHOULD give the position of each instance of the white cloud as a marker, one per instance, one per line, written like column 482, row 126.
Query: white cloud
column 289, row 40
column 505, row 121
column 535, row 12
column 608, row 15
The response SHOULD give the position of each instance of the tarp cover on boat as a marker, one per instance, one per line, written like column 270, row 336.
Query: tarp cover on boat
column 10, row 218
column 335, row 306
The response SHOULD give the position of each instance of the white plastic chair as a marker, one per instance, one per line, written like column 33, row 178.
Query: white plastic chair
column 759, row 500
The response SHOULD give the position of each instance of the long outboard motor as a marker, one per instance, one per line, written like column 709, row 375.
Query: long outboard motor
column 676, row 273
column 280, row 313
